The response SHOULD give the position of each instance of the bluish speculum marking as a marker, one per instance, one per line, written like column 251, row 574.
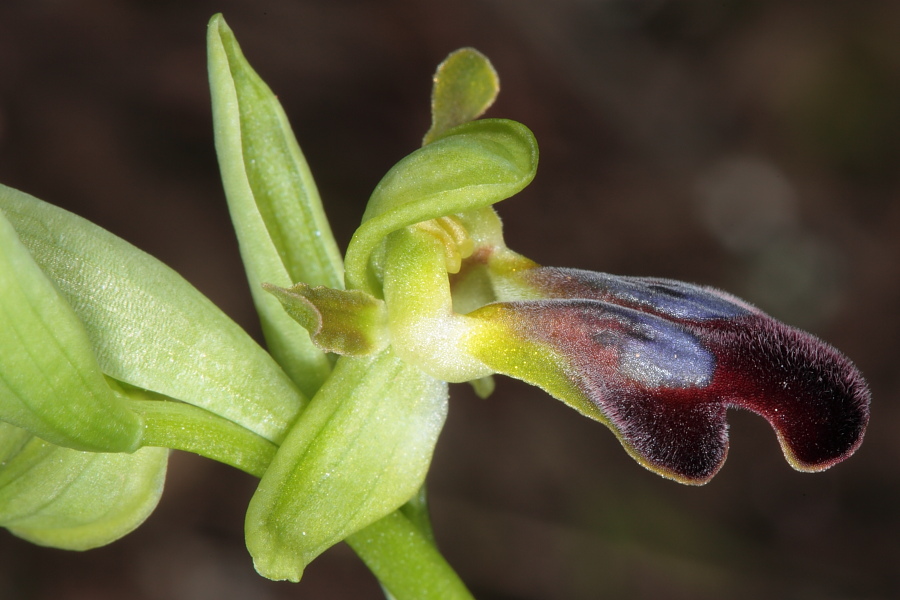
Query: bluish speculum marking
column 660, row 354
column 674, row 299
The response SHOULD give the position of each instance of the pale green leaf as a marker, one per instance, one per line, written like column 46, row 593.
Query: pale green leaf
column 149, row 327
column 50, row 382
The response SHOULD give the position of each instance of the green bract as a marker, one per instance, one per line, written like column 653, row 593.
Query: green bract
column 150, row 328
column 282, row 230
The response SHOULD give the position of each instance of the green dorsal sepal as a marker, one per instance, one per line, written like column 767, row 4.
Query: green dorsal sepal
column 465, row 86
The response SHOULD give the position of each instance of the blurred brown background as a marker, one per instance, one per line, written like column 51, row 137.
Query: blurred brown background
column 748, row 144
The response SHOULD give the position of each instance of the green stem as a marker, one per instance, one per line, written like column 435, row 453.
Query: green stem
column 180, row 426
column 416, row 510
column 405, row 561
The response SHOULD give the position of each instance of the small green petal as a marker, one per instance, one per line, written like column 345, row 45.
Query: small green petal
column 465, row 86
column 346, row 322
column 359, row 451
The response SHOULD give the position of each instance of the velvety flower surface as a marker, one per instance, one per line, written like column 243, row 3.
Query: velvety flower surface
column 661, row 361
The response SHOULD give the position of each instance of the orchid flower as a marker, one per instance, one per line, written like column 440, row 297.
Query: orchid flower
column 429, row 280
column 109, row 359
column 658, row 361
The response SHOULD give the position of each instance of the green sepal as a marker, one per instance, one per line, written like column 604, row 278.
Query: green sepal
column 346, row 322
column 150, row 328
column 282, row 229
column 359, row 451
column 469, row 167
column 75, row 500
column 50, row 381
column 282, row 185
column 465, row 86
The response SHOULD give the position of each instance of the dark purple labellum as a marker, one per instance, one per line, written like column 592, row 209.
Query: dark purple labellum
column 663, row 360
column 813, row 396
